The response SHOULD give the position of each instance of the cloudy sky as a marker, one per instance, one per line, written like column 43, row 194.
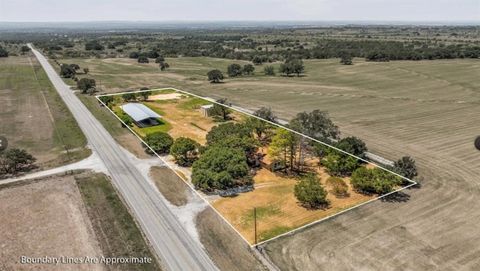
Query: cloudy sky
column 258, row 10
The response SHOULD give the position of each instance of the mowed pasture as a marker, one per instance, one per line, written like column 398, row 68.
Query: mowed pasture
column 34, row 117
column 426, row 109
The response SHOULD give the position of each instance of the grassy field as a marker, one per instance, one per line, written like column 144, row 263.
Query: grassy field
column 114, row 227
column 34, row 117
column 426, row 109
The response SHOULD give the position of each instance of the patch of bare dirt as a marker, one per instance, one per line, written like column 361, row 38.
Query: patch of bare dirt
column 45, row 218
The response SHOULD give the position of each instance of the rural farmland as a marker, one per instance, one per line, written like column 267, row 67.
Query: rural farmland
column 426, row 109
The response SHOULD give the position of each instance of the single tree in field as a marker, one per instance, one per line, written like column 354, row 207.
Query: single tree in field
column 269, row 70
column 406, row 167
column 310, row 192
column 86, row 85
column 266, row 113
column 86, row 70
column 142, row 59
column 234, row 70
column 346, row 59
column 215, row 76
column 164, row 65
column 67, row 71
column 16, row 160
column 159, row 59
column 160, row 142
column 248, row 69
column 185, row 151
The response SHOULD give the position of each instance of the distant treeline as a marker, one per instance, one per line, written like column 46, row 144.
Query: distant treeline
column 266, row 45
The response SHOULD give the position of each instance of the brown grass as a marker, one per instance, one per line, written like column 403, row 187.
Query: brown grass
column 174, row 189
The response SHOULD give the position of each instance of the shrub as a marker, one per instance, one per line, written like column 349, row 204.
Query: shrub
column 339, row 187
column 375, row 180
column 86, row 84
column 310, row 192
column 142, row 59
column 352, row 145
column 160, row 142
column 269, row 70
column 339, row 164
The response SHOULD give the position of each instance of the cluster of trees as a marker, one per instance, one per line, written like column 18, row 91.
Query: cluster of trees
column 14, row 161
column 235, row 70
column 292, row 66
column 70, row 70
column 94, row 45
column 143, row 57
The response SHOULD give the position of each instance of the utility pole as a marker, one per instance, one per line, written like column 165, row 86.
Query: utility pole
column 255, row 224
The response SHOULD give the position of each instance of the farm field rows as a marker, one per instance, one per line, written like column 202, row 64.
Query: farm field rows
column 34, row 117
column 277, row 209
column 426, row 109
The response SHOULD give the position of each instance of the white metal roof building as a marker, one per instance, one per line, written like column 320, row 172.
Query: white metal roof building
column 141, row 115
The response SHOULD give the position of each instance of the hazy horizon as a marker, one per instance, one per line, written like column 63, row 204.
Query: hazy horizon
column 405, row 11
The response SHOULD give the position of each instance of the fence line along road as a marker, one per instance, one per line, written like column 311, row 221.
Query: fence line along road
column 174, row 246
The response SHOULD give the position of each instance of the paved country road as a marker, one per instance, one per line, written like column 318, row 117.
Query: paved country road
column 176, row 249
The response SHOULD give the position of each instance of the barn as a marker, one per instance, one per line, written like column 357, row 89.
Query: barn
column 141, row 115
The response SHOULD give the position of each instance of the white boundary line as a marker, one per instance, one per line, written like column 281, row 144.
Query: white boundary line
column 412, row 183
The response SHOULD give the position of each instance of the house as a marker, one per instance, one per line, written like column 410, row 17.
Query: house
column 206, row 110
column 142, row 116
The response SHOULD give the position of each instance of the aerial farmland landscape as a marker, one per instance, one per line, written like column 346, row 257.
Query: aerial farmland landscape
column 272, row 135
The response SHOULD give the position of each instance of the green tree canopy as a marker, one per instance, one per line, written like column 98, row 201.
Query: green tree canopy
column 266, row 113
column 86, row 85
column 316, row 124
column 406, row 167
column 374, row 180
column 215, row 76
column 352, row 145
column 310, row 192
column 234, row 70
column 224, row 130
column 185, row 151
column 15, row 160
column 248, row 69
column 67, row 71
column 143, row 59
column 220, row 110
column 220, row 168
column 160, row 142
column 128, row 97
column 339, row 164
column 284, row 146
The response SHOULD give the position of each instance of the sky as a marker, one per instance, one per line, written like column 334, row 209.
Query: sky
column 239, row 10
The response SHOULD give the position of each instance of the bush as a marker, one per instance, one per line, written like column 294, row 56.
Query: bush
column 134, row 55
column 160, row 142
column 215, row 76
column 142, row 59
column 406, row 167
column 67, row 71
column 3, row 52
column 310, row 192
column 352, row 145
column 86, row 84
column 185, row 151
column 127, row 120
column 375, row 180
column 338, row 164
column 234, row 70
column 339, row 187
column 15, row 160
column 269, row 70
